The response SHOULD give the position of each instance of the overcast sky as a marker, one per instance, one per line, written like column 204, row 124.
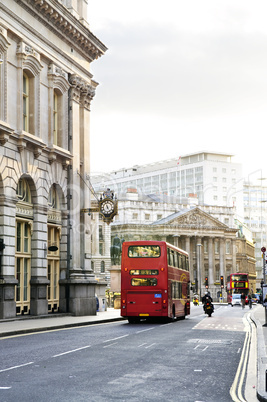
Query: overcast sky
column 179, row 76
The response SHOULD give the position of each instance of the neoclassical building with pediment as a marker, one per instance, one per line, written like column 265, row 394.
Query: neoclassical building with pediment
column 215, row 249
column 46, row 89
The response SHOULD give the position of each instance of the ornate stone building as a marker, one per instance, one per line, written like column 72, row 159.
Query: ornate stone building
column 214, row 248
column 46, row 88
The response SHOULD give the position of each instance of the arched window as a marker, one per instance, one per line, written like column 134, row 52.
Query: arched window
column 23, row 247
column 53, row 200
column 102, row 267
column 23, row 191
column 55, row 118
column 25, row 102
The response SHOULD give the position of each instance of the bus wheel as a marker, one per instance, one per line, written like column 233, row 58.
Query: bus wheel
column 133, row 320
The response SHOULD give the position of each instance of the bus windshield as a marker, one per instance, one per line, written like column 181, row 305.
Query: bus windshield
column 239, row 277
column 144, row 251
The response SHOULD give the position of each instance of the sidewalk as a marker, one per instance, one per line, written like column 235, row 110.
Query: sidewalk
column 258, row 316
column 27, row 324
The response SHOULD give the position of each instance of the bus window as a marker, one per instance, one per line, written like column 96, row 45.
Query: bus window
column 144, row 282
column 171, row 261
column 144, row 251
column 144, row 272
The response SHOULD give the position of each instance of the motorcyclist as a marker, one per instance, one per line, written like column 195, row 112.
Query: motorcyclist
column 195, row 300
column 206, row 298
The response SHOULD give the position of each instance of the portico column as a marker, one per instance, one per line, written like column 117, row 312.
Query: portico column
column 211, row 260
column 176, row 240
column 187, row 244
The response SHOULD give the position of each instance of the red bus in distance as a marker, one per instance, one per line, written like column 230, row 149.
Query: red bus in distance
column 237, row 283
column 155, row 281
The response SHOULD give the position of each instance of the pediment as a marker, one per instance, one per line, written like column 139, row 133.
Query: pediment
column 197, row 218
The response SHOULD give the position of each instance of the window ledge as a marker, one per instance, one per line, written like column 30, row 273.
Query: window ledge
column 57, row 153
column 5, row 132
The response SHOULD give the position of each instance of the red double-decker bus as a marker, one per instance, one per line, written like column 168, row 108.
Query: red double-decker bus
column 155, row 281
column 237, row 283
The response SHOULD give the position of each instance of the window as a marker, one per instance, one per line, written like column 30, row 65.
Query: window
column 228, row 247
column 55, row 119
column 176, row 290
column 144, row 282
column 53, row 200
column 102, row 267
column 171, row 261
column 53, row 258
column 25, row 102
column 144, row 272
column 217, row 274
column 23, row 191
column 23, row 266
column 144, row 251
column 29, row 102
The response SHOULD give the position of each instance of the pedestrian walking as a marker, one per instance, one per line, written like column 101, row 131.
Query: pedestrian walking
column 243, row 300
column 250, row 300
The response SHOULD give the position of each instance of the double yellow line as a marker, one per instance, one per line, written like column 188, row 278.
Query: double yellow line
column 236, row 388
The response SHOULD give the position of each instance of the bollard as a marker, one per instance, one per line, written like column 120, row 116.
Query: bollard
column 265, row 380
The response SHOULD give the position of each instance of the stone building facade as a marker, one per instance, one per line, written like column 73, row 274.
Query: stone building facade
column 46, row 88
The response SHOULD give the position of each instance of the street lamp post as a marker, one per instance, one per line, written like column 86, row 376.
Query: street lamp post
column 199, row 267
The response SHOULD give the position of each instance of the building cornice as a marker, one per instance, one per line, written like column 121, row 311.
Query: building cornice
column 60, row 21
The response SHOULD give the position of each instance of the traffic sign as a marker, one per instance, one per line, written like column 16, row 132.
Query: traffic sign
column 263, row 249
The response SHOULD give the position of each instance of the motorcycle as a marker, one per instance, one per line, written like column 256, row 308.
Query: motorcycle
column 195, row 301
column 208, row 308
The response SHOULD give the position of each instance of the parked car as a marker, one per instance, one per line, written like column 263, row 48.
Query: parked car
column 236, row 300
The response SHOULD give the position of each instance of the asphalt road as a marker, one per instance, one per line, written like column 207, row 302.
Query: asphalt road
column 195, row 359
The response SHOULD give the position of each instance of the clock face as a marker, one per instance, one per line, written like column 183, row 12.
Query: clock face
column 107, row 207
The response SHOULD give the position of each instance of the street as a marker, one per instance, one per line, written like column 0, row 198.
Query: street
column 195, row 359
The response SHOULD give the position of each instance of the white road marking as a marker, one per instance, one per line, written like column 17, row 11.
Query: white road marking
column 111, row 344
column 71, row 351
column 14, row 367
column 143, row 330
column 114, row 339
column 149, row 346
